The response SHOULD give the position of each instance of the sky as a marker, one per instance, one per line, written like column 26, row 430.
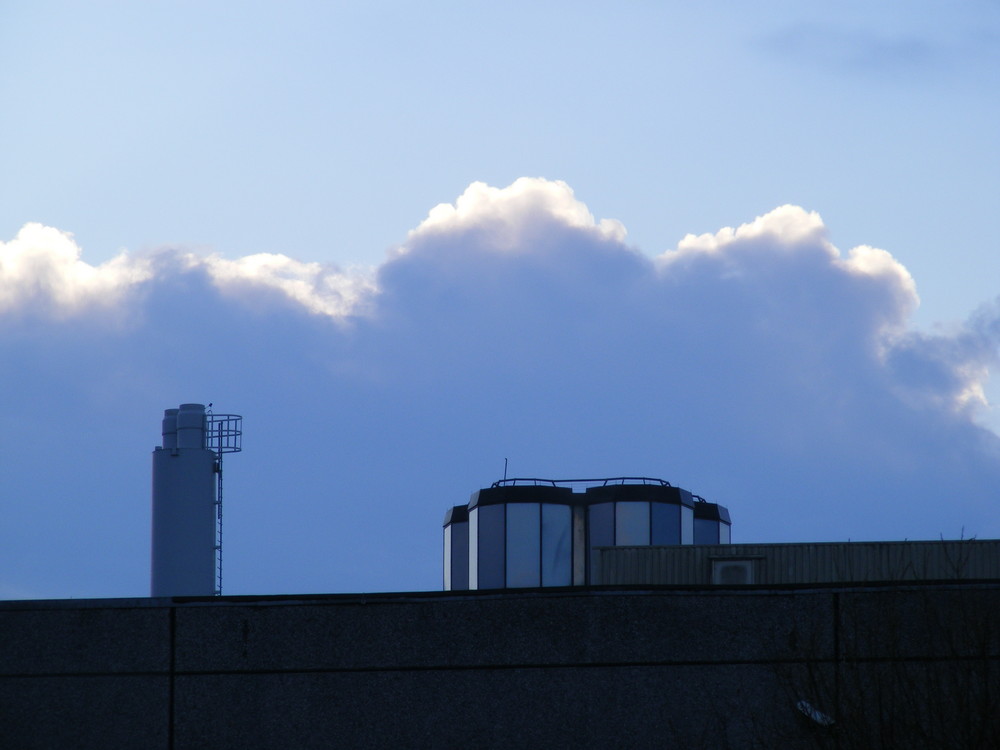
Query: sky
column 743, row 247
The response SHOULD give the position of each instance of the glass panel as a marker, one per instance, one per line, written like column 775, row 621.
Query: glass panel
column 631, row 523
column 447, row 558
column 557, row 545
column 490, row 557
column 724, row 530
column 666, row 523
column 523, row 545
column 601, row 531
column 474, row 548
column 687, row 525
column 460, row 556
column 706, row 531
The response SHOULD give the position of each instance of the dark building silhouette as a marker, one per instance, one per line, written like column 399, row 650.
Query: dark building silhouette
column 694, row 666
column 590, row 619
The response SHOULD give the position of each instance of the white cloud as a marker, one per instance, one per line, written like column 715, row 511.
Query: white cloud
column 320, row 289
column 789, row 238
column 505, row 215
column 41, row 269
column 876, row 264
column 787, row 227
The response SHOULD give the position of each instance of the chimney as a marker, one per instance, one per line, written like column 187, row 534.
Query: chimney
column 185, row 474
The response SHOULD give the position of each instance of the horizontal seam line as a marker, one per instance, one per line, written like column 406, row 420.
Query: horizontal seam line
column 504, row 667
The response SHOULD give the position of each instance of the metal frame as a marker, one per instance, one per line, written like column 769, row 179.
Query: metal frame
column 223, row 434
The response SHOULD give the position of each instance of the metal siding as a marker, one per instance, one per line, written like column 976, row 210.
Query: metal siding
column 834, row 562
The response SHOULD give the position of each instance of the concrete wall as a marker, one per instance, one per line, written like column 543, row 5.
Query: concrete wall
column 541, row 668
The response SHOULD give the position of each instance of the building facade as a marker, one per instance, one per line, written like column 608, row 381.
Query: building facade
column 891, row 664
column 526, row 533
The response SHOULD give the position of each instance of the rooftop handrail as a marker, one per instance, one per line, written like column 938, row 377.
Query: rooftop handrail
column 224, row 433
column 603, row 481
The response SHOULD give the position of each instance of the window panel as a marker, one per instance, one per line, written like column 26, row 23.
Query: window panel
column 557, row 545
column 490, row 555
column 601, row 531
column 474, row 548
column 459, row 555
column 447, row 558
column 706, row 531
column 631, row 523
column 523, row 545
column 687, row 525
column 666, row 524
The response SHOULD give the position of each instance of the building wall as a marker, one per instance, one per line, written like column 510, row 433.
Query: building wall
column 806, row 563
column 599, row 667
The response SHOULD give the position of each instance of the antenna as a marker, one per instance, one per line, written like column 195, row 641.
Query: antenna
column 505, row 470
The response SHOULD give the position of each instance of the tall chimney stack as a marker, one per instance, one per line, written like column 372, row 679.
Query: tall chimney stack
column 184, row 506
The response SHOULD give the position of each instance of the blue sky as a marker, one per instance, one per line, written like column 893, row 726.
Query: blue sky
column 744, row 247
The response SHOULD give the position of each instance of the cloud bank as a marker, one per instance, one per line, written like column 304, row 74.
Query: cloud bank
column 41, row 270
column 758, row 366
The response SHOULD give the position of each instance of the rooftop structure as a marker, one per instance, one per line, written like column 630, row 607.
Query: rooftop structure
column 521, row 533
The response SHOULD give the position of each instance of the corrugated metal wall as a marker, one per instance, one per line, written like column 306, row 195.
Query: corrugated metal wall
column 833, row 562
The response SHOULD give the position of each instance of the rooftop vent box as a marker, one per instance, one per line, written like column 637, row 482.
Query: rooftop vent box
column 732, row 572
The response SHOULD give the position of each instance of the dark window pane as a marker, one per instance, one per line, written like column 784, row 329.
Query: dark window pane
column 706, row 531
column 601, row 531
column 523, row 545
column 458, row 558
column 557, row 545
column 666, row 523
column 490, row 557
column 631, row 523
column 474, row 548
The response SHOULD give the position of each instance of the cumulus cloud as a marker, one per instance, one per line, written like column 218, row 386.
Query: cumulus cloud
column 791, row 240
column 41, row 269
column 502, row 217
column 759, row 366
column 320, row 289
column 947, row 370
